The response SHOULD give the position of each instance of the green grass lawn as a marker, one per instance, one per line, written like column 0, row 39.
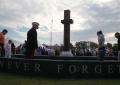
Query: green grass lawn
column 14, row 79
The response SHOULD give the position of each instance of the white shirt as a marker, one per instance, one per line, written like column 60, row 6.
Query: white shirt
column 7, row 50
column 101, row 40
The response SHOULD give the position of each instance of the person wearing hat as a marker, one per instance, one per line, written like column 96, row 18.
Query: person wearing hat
column 2, row 42
column 31, row 43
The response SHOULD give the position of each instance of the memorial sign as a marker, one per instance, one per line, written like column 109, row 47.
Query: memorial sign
column 61, row 68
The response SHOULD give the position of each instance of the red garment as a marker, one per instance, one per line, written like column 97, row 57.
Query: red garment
column 2, row 38
column 31, row 54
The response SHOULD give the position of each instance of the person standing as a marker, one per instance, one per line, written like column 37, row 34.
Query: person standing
column 117, row 35
column 13, row 48
column 101, row 46
column 32, row 43
column 7, row 47
column 2, row 42
column 23, row 47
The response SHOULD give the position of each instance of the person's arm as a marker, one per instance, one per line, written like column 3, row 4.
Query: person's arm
column 35, row 39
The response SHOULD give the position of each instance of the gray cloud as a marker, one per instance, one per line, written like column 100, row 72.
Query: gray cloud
column 105, row 16
column 18, row 11
column 14, row 34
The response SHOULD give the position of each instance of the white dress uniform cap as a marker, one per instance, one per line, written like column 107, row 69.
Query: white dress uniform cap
column 35, row 23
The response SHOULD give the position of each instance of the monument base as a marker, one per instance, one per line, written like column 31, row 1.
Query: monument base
column 62, row 68
column 66, row 53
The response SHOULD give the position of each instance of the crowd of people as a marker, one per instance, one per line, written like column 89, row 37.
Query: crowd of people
column 31, row 48
column 108, row 52
column 41, row 50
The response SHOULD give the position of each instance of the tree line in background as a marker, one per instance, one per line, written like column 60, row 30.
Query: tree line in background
column 82, row 48
column 89, row 48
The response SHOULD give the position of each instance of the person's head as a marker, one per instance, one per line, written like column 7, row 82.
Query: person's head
column 10, row 41
column 35, row 25
column 99, row 32
column 4, row 31
column 117, row 35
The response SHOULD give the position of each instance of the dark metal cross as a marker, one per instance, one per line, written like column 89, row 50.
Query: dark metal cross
column 67, row 21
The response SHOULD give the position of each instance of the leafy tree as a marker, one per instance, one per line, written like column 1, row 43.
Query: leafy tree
column 85, row 45
column 93, row 45
column 81, row 45
column 115, row 47
column 109, row 45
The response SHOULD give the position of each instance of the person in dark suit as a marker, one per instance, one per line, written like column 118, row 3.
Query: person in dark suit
column 31, row 43
column 117, row 35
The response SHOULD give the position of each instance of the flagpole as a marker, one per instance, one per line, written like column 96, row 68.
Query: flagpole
column 51, row 32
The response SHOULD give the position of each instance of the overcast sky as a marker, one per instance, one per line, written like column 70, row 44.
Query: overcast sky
column 89, row 16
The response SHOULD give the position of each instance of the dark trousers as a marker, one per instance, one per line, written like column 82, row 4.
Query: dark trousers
column 2, row 50
column 29, row 54
column 13, row 51
column 101, row 53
